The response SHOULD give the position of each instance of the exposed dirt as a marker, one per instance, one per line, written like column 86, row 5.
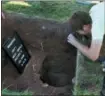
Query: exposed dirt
column 53, row 60
column 52, row 57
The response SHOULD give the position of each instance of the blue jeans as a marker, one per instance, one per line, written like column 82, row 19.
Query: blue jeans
column 101, row 59
column 102, row 93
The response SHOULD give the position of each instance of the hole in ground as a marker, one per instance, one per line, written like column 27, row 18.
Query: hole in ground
column 57, row 70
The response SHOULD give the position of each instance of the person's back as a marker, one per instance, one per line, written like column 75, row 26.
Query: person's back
column 98, row 21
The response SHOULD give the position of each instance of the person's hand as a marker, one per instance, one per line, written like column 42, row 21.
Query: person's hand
column 71, row 39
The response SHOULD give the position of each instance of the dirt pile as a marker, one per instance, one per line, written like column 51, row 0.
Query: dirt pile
column 52, row 57
column 46, row 41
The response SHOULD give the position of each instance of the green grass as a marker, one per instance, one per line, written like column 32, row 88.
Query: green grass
column 59, row 10
column 6, row 92
column 88, row 77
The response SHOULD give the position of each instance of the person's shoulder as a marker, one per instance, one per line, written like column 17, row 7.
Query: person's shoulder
column 97, row 7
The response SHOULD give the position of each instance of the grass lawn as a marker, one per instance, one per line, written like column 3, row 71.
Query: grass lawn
column 58, row 10
column 6, row 92
column 88, row 75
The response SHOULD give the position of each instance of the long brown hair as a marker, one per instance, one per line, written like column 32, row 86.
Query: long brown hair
column 79, row 19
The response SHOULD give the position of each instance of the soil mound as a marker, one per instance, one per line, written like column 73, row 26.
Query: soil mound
column 53, row 60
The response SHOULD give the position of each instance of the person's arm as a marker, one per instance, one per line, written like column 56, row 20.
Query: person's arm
column 92, row 52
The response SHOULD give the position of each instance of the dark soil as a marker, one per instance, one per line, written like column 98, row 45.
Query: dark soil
column 53, row 60
column 102, row 53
